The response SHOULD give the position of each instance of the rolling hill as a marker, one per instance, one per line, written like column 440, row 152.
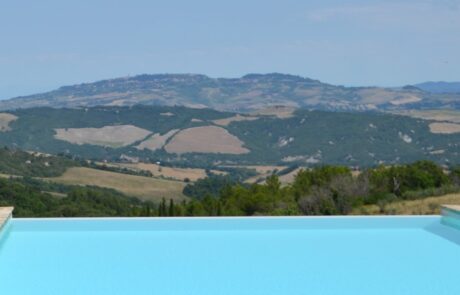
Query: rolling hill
column 245, row 94
column 440, row 87
column 180, row 136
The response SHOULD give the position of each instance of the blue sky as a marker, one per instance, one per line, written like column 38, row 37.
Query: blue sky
column 49, row 43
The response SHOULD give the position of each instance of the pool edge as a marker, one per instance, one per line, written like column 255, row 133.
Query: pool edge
column 6, row 213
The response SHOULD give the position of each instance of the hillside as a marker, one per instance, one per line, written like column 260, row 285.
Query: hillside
column 178, row 136
column 440, row 87
column 141, row 187
column 19, row 163
column 248, row 93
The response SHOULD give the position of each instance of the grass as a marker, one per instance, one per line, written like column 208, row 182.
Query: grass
column 144, row 188
column 174, row 173
column 424, row 206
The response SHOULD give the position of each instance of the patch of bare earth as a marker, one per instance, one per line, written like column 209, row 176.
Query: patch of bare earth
column 5, row 120
column 156, row 141
column 444, row 128
column 112, row 136
column 205, row 139
column 237, row 118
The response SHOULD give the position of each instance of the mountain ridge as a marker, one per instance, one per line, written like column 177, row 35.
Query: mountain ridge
column 439, row 87
column 245, row 94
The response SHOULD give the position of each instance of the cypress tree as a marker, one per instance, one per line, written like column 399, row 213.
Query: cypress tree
column 163, row 207
column 219, row 208
column 171, row 207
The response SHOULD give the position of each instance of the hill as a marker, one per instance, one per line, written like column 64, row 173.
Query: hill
column 245, row 94
column 141, row 187
column 19, row 163
column 440, row 87
column 185, row 137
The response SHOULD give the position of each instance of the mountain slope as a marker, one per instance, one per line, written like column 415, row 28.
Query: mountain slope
column 248, row 93
column 440, row 87
column 201, row 138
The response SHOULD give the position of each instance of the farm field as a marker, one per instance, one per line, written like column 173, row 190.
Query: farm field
column 193, row 174
column 205, row 139
column 113, row 136
column 452, row 116
column 144, row 188
column 444, row 128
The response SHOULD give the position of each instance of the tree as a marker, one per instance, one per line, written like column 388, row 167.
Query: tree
column 171, row 208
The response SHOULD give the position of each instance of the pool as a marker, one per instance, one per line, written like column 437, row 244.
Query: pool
column 298, row 255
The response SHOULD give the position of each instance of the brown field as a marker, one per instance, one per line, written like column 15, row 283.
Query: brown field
column 289, row 178
column 206, row 139
column 144, row 188
column 433, row 115
column 425, row 206
column 5, row 120
column 281, row 112
column 193, row 174
column 259, row 168
column 380, row 95
column 408, row 98
column 112, row 136
column 156, row 141
column 237, row 118
column 444, row 128
column 375, row 95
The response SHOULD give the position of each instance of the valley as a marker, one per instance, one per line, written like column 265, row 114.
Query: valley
column 194, row 145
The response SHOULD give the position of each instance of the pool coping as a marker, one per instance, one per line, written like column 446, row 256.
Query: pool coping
column 229, row 217
column 226, row 222
column 6, row 213
column 454, row 208
column 451, row 215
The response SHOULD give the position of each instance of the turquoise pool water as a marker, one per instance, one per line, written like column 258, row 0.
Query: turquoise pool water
column 337, row 255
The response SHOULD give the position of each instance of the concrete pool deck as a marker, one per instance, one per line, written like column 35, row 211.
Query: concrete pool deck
column 5, row 214
column 451, row 207
column 451, row 215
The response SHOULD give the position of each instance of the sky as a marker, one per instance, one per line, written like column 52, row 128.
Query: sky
column 50, row 43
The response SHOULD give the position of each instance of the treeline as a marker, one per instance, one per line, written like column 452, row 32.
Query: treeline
column 326, row 190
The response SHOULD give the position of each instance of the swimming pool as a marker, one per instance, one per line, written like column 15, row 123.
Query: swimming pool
column 299, row 255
